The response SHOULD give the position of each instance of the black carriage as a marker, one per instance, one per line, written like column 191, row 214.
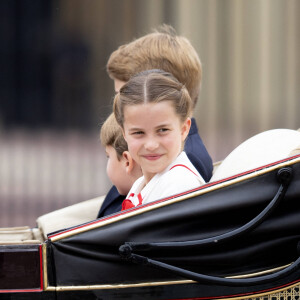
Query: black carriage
column 235, row 238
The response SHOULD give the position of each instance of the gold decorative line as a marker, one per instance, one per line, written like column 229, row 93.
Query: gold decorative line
column 147, row 284
column 120, row 286
column 45, row 267
column 95, row 287
column 116, row 286
column 174, row 200
column 259, row 273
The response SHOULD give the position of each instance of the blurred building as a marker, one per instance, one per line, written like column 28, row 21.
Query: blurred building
column 55, row 93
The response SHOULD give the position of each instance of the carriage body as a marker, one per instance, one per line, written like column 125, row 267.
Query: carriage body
column 235, row 238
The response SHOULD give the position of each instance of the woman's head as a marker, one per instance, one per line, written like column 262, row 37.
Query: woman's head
column 153, row 86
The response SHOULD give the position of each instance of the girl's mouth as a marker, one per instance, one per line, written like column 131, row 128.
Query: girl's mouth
column 152, row 156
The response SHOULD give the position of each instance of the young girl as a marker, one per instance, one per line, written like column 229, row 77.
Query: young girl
column 153, row 111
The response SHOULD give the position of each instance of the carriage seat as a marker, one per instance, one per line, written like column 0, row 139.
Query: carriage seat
column 75, row 214
column 262, row 149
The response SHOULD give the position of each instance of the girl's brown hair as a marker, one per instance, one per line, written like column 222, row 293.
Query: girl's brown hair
column 153, row 86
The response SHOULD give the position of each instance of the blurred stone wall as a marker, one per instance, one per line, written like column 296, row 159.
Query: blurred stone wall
column 55, row 93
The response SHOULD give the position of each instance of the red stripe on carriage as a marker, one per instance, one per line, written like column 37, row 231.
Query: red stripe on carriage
column 41, row 268
column 21, row 291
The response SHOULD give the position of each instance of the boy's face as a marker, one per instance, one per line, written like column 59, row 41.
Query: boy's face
column 116, row 171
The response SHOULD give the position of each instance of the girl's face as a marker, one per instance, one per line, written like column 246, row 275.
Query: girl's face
column 154, row 134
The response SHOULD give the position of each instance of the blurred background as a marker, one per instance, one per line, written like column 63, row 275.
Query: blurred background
column 55, row 93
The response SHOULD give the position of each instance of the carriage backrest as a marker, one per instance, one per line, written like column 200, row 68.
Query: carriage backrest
column 262, row 149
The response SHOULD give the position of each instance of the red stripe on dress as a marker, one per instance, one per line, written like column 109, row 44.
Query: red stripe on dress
column 140, row 198
column 126, row 204
column 179, row 165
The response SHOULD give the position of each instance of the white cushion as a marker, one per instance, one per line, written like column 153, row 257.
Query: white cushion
column 262, row 149
column 70, row 216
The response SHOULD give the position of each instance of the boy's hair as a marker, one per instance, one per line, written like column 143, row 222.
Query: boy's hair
column 162, row 49
column 153, row 86
column 111, row 135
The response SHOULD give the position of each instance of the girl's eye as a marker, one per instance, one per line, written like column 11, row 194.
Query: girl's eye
column 162, row 130
column 137, row 132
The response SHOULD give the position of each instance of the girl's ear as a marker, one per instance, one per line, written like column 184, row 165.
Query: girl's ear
column 129, row 162
column 185, row 128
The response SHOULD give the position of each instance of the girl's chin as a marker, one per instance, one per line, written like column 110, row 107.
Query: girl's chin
column 153, row 171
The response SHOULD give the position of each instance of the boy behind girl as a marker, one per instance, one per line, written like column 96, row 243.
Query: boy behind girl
column 121, row 169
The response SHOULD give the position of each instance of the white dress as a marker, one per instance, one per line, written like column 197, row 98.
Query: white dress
column 178, row 177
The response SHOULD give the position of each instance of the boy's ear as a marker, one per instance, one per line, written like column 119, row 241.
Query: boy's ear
column 129, row 162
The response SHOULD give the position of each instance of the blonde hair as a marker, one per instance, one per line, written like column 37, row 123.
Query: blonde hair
column 111, row 135
column 161, row 49
column 153, row 86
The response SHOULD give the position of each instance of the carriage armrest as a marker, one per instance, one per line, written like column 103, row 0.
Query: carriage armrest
column 18, row 234
column 17, row 242
column 69, row 216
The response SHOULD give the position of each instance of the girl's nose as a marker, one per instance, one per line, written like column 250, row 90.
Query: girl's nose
column 151, row 144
